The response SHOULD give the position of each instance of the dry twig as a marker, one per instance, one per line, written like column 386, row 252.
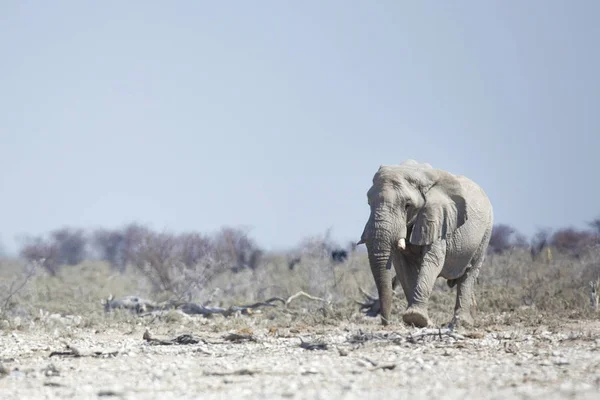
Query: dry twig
column 240, row 337
column 13, row 289
column 146, row 307
column 413, row 338
column 244, row 371
column 74, row 352
column 303, row 294
column 313, row 345
column 181, row 339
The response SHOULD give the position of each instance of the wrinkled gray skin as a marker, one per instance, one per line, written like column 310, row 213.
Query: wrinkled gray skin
column 427, row 223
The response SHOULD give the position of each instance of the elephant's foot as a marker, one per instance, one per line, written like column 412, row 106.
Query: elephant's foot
column 417, row 317
column 462, row 320
column 384, row 321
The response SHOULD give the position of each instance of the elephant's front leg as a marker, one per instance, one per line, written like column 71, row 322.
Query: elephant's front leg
column 427, row 272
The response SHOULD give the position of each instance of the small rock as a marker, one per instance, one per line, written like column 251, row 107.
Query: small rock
column 51, row 370
column 310, row 371
column 342, row 352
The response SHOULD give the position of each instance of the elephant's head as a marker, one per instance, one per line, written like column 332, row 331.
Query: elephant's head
column 410, row 203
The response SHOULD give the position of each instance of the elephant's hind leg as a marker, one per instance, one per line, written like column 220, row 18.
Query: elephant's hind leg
column 464, row 310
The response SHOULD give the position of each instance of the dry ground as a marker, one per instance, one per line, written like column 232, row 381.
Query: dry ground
column 362, row 360
column 535, row 337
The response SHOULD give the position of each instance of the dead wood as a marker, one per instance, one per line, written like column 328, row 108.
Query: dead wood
column 15, row 287
column 146, row 307
column 433, row 333
column 370, row 305
column 303, row 294
column 179, row 340
column 240, row 337
column 383, row 366
column 362, row 337
column 3, row 371
column 313, row 345
column 53, row 384
column 76, row 353
column 243, row 371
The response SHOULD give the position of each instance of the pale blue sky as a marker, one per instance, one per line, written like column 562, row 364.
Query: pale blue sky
column 191, row 115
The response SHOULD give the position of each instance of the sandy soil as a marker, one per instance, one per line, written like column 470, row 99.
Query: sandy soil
column 360, row 361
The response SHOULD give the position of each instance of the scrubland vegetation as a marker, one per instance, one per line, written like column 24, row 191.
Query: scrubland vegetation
column 71, row 271
column 537, row 331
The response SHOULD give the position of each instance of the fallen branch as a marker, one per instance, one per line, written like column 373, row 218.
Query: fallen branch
column 371, row 305
column 375, row 365
column 244, row 371
column 181, row 339
column 240, row 337
column 313, row 345
column 76, row 353
column 13, row 289
column 413, row 338
column 383, row 366
column 303, row 294
column 362, row 337
column 146, row 307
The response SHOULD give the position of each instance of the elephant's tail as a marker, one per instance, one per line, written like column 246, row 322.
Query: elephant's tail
column 452, row 282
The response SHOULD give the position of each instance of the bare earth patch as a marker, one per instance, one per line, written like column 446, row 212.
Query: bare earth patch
column 255, row 358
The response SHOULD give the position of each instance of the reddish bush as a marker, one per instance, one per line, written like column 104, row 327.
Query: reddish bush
column 39, row 250
column 573, row 241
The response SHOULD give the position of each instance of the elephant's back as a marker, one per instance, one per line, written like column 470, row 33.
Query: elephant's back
column 478, row 202
column 466, row 240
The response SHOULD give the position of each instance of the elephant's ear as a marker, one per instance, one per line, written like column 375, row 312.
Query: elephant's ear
column 445, row 210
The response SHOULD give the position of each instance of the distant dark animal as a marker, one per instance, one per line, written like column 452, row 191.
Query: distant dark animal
column 292, row 262
column 339, row 255
column 537, row 249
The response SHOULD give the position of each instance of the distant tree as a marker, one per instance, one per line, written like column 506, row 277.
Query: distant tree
column 134, row 235
column 505, row 237
column 156, row 256
column 573, row 241
column 64, row 246
column 595, row 226
column 237, row 249
column 37, row 249
column 71, row 244
column 110, row 246
column 194, row 247
column 540, row 240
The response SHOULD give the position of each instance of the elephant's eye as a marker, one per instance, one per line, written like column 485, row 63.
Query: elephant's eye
column 406, row 206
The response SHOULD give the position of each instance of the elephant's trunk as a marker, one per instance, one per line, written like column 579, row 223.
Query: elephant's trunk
column 379, row 246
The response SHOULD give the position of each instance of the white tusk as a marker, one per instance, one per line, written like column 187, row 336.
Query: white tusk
column 402, row 244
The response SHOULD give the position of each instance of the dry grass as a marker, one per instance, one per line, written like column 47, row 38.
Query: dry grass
column 535, row 335
column 511, row 288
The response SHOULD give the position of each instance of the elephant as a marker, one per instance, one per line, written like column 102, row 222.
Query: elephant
column 427, row 223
